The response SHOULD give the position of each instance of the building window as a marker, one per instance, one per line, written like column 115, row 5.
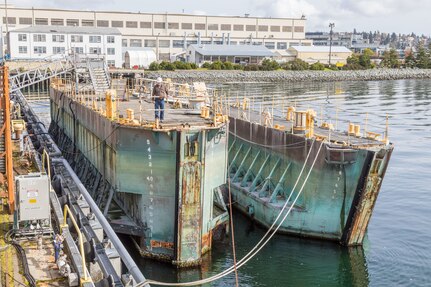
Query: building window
column 263, row 28
column 87, row 23
column 225, row 27
column 57, row 22
column 299, row 29
column 41, row 21
column 135, row 43
column 10, row 20
column 213, row 27
column 76, row 39
column 22, row 37
column 124, row 43
column 39, row 38
column 238, row 27
column 199, row 26
column 131, row 24
column 164, row 43
column 110, row 51
column 159, row 25
column 275, row 28
column 117, row 24
column 187, row 26
column 58, row 38
column 25, row 21
column 250, row 27
column 22, row 49
column 145, row 25
column 110, row 39
column 287, row 29
column 191, row 42
column 95, row 50
column 173, row 26
column 111, row 63
column 58, row 50
column 233, row 43
column 270, row 45
column 102, row 23
column 177, row 43
column 282, row 45
column 79, row 50
column 150, row 43
column 95, row 39
column 72, row 22
column 39, row 49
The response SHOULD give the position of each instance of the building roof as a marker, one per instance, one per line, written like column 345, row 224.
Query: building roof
column 69, row 30
column 321, row 49
column 232, row 50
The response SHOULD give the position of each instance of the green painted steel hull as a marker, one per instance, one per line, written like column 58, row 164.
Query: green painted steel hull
column 337, row 198
column 164, row 180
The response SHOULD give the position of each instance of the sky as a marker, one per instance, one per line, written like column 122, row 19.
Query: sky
column 399, row 16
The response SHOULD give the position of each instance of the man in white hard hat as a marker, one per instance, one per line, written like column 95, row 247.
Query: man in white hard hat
column 160, row 92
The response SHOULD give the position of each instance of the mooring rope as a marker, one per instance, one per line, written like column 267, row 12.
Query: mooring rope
column 256, row 248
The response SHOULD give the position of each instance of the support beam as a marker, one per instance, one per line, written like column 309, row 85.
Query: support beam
column 268, row 179
column 231, row 164
column 259, row 174
column 279, row 184
column 250, row 168
column 241, row 165
column 8, row 140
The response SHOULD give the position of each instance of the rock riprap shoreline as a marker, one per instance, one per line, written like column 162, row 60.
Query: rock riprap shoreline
column 290, row 76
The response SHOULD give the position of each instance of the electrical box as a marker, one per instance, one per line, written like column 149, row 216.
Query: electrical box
column 33, row 197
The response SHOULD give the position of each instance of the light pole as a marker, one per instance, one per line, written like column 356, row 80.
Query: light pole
column 331, row 26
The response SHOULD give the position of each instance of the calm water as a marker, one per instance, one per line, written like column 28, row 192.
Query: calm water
column 397, row 249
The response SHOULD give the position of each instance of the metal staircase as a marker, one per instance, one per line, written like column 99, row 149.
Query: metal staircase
column 99, row 74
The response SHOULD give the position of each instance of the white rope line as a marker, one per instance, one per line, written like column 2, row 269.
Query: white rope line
column 256, row 248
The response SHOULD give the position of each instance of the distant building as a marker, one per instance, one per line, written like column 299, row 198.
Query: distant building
column 376, row 48
column 323, row 38
column 39, row 42
column 314, row 54
column 167, row 34
column 250, row 54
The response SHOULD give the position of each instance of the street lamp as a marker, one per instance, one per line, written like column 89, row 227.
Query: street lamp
column 331, row 26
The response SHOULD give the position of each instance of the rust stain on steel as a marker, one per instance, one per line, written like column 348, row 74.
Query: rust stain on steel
column 369, row 196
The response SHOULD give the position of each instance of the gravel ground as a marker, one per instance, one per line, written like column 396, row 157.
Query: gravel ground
column 291, row 76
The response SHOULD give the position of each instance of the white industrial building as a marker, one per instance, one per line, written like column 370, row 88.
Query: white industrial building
column 249, row 54
column 40, row 42
column 168, row 35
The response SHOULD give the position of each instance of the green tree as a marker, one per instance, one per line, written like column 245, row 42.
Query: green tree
column 154, row 66
column 269, row 65
column 296, row 65
column 410, row 60
column 317, row 66
column 365, row 58
column 423, row 58
column 390, row 59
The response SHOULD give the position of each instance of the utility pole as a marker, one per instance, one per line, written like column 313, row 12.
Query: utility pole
column 331, row 26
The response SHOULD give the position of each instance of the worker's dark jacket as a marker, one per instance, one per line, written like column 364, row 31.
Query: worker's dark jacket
column 160, row 91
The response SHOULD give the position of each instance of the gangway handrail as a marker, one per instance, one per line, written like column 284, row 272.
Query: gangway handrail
column 66, row 212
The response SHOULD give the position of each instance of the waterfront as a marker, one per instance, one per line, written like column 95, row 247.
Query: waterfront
column 396, row 252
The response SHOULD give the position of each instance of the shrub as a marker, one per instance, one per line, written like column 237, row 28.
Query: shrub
column 217, row 65
column 238, row 67
column 182, row 65
column 296, row 65
column 154, row 66
column 317, row 66
column 206, row 65
column 228, row 65
column 269, row 65
column 251, row 67
column 193, row 66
